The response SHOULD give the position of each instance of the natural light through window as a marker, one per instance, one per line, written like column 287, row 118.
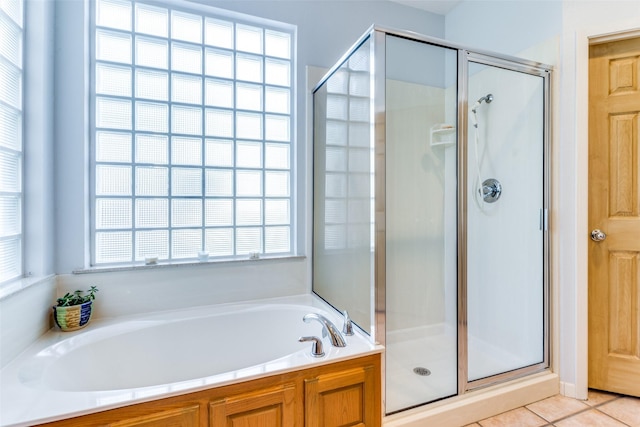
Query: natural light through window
column 11, row 108
column 192, row 135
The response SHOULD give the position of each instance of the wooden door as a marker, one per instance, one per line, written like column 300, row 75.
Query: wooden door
column 614, row 208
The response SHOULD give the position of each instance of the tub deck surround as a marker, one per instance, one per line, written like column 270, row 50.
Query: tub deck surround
column 122, row 361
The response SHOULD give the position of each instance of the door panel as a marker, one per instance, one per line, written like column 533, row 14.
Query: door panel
column 263, row 408
column 614, row 208
column 341, row 399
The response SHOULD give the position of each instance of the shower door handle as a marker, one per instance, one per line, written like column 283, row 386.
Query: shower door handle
column 598, row 235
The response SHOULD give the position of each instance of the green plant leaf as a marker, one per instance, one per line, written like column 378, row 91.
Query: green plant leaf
column 77, row 298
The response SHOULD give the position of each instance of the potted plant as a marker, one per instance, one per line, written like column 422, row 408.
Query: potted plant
column 73, row 311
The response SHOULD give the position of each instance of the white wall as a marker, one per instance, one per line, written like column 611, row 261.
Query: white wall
column 160, row 288
column 24, row 316
column 507, row 27
column 38, row 139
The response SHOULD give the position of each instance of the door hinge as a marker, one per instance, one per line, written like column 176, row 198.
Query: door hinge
column 544, row 219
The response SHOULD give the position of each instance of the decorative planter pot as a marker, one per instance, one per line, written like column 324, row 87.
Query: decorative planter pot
column 73, row 317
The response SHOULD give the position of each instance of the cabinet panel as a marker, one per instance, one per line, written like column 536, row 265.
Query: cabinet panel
column 180, row 417
column 263, row 408
column 345, row 398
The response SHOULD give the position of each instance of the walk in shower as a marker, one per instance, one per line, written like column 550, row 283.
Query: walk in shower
column 430, row 210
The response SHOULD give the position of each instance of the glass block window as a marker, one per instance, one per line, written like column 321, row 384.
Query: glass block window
column 11, row 115
column 349, row 209
column 192, row 134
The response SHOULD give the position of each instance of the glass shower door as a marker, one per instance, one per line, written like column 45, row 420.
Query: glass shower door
column 506, row 221
column 421, row 223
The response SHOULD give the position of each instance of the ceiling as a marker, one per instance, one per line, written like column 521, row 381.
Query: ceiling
column 441, row 7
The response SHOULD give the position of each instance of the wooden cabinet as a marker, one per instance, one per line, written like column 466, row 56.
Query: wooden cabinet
column 343, row 398
column 343, row 393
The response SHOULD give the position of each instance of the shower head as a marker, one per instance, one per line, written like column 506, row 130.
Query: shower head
column 487, row 98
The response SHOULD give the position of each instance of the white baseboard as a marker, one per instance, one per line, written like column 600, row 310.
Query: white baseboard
column 479, row 404
column 568, row 389
column 571, row 390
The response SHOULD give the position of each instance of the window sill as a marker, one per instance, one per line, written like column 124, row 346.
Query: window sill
column 187, row 263
column 18, row 285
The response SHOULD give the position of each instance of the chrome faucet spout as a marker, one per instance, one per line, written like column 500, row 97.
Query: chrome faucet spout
column 328, row 328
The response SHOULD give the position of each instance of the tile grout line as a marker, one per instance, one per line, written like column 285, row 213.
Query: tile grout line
column 588, row 408
column 613, row 418
column 606, row 415
column 553, row 423
column 548, row 423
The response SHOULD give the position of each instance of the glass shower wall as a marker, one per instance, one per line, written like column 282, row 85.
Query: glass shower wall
column 505, row 231
column 343, row 245
column 421, row 222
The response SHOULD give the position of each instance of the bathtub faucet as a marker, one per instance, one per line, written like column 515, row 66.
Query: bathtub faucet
column 328, row 328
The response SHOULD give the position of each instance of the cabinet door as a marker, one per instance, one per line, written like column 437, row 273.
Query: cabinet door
column 189, row 416
column 344, row 398
column 274, row 407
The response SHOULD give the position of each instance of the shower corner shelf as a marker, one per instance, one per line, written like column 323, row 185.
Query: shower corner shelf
column 440, row 135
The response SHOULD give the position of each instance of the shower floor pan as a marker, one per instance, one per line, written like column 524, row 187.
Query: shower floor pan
column 436, row 352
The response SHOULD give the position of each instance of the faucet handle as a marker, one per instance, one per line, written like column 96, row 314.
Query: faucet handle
column 347, row 328
column 316, row 349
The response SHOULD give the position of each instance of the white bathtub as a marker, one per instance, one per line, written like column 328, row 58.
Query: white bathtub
column 117, row 362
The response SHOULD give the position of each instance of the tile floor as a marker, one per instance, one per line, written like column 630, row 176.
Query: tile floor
column 599, row 410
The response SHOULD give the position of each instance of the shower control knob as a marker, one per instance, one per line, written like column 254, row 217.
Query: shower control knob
column 598, row 235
